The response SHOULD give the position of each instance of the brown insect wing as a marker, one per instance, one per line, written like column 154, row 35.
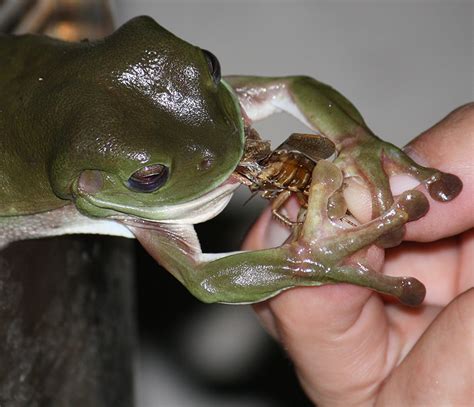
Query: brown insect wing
column 313, row 146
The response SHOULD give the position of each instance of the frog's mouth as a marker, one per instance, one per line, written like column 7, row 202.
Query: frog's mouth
column 195, row 211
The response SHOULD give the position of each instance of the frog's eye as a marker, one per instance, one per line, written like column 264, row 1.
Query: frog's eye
column 214, row 66
column 149, row 178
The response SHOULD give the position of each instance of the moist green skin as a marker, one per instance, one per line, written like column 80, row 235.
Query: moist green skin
column 78, row 119
column 139, row 97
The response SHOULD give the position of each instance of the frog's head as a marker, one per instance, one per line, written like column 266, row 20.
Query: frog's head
column 154, row 132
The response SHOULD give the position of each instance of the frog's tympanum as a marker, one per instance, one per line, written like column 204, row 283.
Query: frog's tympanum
column 138, row 135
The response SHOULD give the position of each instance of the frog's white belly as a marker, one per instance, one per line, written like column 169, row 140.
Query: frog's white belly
column 62, row 221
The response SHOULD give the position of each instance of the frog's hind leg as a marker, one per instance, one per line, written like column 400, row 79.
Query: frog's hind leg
column 441, row 186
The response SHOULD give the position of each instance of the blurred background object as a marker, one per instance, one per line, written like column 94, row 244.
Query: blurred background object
column 70, row 20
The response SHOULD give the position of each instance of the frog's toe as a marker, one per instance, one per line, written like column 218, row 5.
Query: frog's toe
column 412, row 291
column 441, row 186
column 444, row 187
column 414, row 204
column 408, row 290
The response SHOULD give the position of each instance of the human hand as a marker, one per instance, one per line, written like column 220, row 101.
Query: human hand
column 351, row 347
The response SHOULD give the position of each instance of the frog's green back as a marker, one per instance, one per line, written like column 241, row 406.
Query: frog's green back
column 25, row 142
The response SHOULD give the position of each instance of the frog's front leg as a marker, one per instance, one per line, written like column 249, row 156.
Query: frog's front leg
column 320, row 255
column 361, row 153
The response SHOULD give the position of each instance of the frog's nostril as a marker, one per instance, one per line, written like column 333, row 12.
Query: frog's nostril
column 90, row 181
column 205, row 164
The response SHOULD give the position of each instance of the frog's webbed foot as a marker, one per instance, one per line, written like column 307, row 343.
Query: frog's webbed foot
column 374, row 161
column 442, row 186
column 321, row 235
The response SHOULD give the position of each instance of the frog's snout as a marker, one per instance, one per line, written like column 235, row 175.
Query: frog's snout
column 90, row 182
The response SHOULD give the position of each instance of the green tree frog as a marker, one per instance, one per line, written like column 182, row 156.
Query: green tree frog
column 138, row 135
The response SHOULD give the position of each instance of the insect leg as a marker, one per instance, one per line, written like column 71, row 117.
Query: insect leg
column 277, row 204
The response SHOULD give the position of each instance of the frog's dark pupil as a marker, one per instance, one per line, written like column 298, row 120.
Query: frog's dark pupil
column 148, row 179
column 214, row 66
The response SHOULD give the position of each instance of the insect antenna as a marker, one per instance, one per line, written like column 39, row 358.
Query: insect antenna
column 254, row 194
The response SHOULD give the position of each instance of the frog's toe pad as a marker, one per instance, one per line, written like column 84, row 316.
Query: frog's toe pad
column 412, row 291
column 444, row 187
column 414, row 203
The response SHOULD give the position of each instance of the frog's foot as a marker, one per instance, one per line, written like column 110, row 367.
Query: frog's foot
column 327, row 179
column 442, row 186
column 334, row 244
column 374, row 161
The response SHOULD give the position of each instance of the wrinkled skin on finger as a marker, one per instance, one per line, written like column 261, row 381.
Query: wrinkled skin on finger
column 350, row 345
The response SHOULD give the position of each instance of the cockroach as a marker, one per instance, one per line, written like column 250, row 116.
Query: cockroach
column 285, row 171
